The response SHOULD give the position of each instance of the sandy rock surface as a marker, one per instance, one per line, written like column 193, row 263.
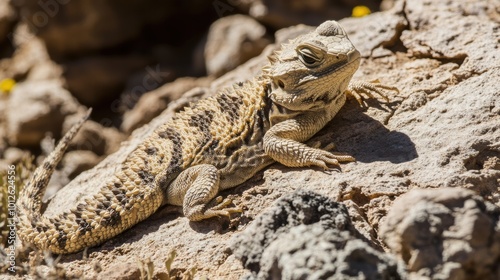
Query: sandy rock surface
column 427, row 170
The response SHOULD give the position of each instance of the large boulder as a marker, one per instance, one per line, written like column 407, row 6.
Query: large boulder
column 232, row 41
column 36, row 108
column 305, row 235
column 447, row 233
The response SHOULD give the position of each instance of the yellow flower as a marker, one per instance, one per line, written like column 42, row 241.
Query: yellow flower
column 360, row 11
column 6, row 85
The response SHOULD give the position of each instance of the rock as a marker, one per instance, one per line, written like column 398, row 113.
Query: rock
column 289, row 33
column 14, row 155
column 8, row 16
column 308, row 236
column 376, row 39
column 99, row 79
column 30, row 61
column 122, row 271
column 3, row 124
column 44, row 106
column 75, row 162
column 231, row 41
column 447, row 233
column 99, row 138
column 147, row 79
column 154, row 102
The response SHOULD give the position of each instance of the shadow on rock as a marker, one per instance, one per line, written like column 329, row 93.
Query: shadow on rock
column 367, row 139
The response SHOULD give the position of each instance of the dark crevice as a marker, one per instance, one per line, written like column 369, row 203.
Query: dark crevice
column 458, row 59
column 359, row 198
column 487, row 156
column 395, row 44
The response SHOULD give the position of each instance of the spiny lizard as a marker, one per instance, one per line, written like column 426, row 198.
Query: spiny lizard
column 215, row 144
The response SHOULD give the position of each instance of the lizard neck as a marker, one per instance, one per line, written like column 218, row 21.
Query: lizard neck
column 279, row 113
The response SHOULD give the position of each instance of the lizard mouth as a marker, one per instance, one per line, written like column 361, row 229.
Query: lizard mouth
column 353, row 56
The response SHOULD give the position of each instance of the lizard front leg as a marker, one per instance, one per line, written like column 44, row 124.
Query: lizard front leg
column 283, row 142
column 195, row 189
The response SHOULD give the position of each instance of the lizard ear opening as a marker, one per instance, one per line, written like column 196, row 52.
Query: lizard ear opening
column 310, row 55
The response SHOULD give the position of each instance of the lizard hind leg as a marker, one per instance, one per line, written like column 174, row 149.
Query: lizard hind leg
column 195, row 189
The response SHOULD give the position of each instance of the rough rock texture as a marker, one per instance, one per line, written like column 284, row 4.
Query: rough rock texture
column 305, row 235
column 231, row 41
column 447, row 233
column 440, row 130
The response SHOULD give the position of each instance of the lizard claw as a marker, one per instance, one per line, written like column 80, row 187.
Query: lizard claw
column 356, row 89
column 221, row 209
column 217, row 207
column 327, row 158
column 322, row 155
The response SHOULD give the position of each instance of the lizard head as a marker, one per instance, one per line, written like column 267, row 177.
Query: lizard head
column 309, row 72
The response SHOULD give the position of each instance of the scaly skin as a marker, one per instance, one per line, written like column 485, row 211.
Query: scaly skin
column 217, row 143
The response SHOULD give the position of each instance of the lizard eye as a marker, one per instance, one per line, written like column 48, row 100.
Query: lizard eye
column 309, row 58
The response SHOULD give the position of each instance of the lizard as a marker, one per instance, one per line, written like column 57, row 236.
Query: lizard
column 211, row 145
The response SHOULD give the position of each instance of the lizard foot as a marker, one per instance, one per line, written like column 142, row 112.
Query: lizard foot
column 217, row 207
column 356, row 89
column 326, row 155
column 221, row 207
column 324, row 158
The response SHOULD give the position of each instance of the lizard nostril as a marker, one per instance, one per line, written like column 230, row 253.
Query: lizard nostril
column 280, row 84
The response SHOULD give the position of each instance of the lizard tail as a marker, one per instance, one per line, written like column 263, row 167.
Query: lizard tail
column 29, row 202
column 118, row 205
column 36, row 186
